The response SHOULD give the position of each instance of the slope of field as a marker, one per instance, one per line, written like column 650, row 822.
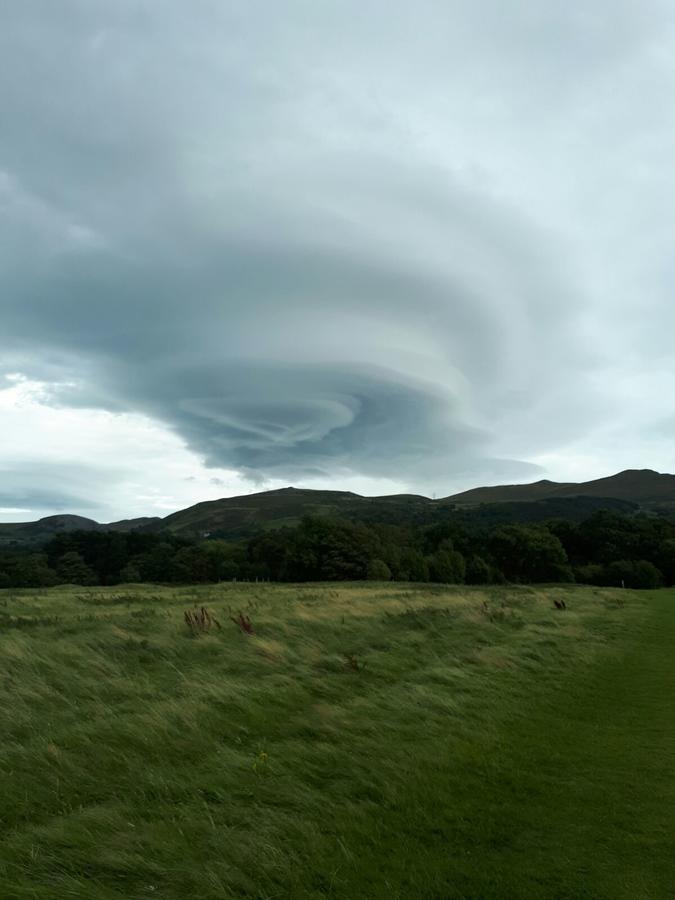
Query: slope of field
column 366, row 741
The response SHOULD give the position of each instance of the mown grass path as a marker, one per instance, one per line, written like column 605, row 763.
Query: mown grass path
column 610, row 787
column 573, row 795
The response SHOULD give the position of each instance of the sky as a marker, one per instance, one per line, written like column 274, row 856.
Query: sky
column 378, row 246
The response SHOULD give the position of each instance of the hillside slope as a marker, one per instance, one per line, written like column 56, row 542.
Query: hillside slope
column 44, row 529
column 234, row 516
column 642, row 486
column 240, row 517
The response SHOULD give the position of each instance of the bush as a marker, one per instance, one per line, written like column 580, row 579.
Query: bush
column 130, row 574
column 72, row 569
column 447, row 566
column 641, row 574
column 589, row 574
column 647, row 575
column 477, row 571
column 666, row 560
column 414, row 566
column 378, row 570
column 529, row 554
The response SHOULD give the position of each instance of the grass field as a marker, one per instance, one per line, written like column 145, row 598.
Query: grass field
column 367, row 741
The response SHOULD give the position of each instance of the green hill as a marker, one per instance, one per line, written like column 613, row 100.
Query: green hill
column 642, row 486
column 240, row 517
column 44, row 529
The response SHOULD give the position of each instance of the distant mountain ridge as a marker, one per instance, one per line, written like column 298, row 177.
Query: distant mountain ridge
column 235, row 517
column 642, row 486
column 43, row 529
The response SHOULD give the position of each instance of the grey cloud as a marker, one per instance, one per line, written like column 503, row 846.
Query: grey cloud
column 52, row 487
column 38, row 500
column 313, row 244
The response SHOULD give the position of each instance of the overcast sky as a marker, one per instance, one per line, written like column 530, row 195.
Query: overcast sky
column 377, row 245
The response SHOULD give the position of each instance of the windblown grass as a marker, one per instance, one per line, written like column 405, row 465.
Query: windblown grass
column 363, row 741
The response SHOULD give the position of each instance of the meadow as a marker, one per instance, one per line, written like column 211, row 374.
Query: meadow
column 363, row 741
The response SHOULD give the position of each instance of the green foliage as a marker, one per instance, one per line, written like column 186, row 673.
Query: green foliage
column 591, row 573
column 378, row 570
column 321, row 548
column 530, row 554
column 639, row 574
column 131, row 573
column 413, row 565
column 27, row 570
column 446, row 565
column 477, row 570
column 664, row 558
column 72, row 569
column 622, row 573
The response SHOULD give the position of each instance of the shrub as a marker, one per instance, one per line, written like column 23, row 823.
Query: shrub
column 72, row 569
column 378, row 570
column 447, row 566
column 641, row 574
column 529, row 553
column 646, row 575
column 477, row 571
column 589, row 574
column 130, row 574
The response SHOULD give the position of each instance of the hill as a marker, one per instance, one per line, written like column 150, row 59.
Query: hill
column 240, row 517
column 46, row 528
column 642, row 486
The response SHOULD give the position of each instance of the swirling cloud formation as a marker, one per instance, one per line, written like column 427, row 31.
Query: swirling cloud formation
column 428, row 245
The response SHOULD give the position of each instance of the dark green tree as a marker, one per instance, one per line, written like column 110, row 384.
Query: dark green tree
column 72, row 569
column 529, row 553
column 477, row 571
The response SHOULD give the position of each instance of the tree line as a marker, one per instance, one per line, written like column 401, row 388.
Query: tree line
column 607, row 548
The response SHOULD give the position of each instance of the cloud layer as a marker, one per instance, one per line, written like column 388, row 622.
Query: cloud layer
column 349, row 241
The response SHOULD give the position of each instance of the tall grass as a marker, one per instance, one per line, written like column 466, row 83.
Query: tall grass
column 359, row 741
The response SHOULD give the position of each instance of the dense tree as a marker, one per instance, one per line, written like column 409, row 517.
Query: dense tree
column 414, row 566
column 633, row 574
column 446, row 565
column 609, row 547
column 27, row 570
column 477, row 570
column 529, row 553
column 72, row 569
column 665, row 559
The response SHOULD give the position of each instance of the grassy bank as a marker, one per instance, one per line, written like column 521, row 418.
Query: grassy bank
column 365, row 741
